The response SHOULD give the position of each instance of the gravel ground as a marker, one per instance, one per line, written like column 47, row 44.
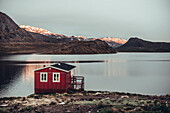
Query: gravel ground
column 86, row 102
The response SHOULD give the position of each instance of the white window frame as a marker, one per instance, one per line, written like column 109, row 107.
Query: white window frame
column 58, row 77
column 41, row 77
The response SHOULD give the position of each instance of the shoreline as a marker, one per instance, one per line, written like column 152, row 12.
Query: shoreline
column 86, row 101
column 125, row 93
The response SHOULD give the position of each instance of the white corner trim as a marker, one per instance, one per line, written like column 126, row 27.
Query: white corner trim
column 52, row 67
column 41, row 68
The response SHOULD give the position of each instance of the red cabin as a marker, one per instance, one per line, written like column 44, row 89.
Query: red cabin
column 56, row 78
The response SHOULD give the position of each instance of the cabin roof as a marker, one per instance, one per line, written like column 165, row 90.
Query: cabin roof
column 63, row 66
column 60, row 66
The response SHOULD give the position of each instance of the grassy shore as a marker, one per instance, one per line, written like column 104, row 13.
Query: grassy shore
column 86, row 102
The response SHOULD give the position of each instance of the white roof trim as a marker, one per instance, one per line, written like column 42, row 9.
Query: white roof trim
column 52, row 67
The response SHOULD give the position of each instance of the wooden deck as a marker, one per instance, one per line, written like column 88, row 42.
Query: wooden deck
column 77, row 83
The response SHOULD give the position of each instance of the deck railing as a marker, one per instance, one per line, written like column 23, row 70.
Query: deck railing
column 77, row 83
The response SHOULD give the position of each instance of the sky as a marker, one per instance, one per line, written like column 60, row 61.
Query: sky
column 146, row 19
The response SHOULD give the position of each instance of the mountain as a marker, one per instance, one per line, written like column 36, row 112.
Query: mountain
column 41, row 31
column 10, row 31
column 87, row 47
column 111, row 41
column 139, row 45
column 15, row 39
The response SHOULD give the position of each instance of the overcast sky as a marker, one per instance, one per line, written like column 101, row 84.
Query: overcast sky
column 147, row 19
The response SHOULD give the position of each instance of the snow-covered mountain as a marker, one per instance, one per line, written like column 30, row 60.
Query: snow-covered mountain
column 111, row 41
column 39, row 30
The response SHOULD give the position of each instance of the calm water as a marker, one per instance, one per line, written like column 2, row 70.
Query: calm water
column 144, row 73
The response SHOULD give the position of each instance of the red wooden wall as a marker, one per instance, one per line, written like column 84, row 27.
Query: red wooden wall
column 50, row 86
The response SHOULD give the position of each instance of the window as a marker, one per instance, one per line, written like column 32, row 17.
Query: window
column 56, row 77
column 43, row 77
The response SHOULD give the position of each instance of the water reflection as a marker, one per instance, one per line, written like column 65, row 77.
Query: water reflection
column 8, row 75
column 134, row 73
column 27, row 72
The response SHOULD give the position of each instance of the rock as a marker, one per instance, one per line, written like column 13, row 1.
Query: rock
column 115, row 109
column 38, row 110
column 3, row 105
column 23, row 98
column 124, row 96
column 52, row 103
column 62, row 103
column 90, row 99
column 108, row 98
column 47, row 100
column 137, row 109
column 98, row 93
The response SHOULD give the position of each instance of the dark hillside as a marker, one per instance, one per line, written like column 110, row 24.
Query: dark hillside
column 139, row 45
